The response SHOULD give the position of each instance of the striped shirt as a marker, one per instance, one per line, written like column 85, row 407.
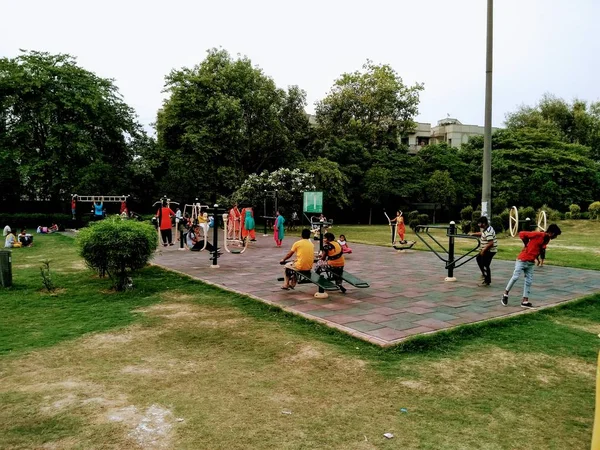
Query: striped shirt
column 488, row 235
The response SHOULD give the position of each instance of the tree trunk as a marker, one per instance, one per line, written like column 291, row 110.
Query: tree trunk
column 434, row 208
column 370, row 213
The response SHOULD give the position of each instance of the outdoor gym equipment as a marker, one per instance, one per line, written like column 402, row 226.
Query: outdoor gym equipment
column 450, row 260
column 238, row 245
column 99, row 198
column 513, row 221
column 398, row 245
column 168, row 201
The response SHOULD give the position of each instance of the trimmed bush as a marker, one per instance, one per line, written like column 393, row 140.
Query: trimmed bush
column 465, row 226
column 496, row 224
column 568, row 216
column 466, row 213
column 475, row 216
column 575, row 211
column 498, row 205
column 117, row 247
column 413, row 215
column 423, row 219
column 505, row 217
column 527, row 211
column 413, row 224
column 23, row 220
column 594, row 210
column 552, row 215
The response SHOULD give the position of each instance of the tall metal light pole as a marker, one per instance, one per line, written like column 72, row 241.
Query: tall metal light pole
column 486, row 188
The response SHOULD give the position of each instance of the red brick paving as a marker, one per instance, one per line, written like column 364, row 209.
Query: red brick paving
column 413, row 299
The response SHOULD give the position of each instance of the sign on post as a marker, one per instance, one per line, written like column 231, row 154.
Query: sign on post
column 313, row 202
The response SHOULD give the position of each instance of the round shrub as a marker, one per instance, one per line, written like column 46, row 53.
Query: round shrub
column 117, row 247
column 496, row 223
column 423, row 219
column 413, row 224
column 466, row 213
column 575, row 211
column 505, row 217
column 413, row 215
column 499, row 205
column 527, row 211
column 475, row 216
column 465, row 226
column 594, row 210
column 551, row 214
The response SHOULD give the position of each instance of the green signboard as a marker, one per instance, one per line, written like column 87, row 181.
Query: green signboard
column 313, row 202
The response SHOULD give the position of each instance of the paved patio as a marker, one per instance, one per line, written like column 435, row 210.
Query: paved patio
column 407, row 297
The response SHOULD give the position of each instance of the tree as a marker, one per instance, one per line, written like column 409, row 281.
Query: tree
column 374, row 106
column 62, row 129
column 362, row 120
column 575, row 123
column 223, row 120
column 533, row 168
column 441, row 190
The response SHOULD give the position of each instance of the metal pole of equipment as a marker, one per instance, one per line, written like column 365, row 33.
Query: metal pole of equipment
column 486, row 188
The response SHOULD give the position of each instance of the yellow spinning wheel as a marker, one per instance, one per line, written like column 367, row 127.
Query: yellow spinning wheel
column 513, row 221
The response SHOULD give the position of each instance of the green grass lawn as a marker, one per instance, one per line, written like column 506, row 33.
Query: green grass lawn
column 179, row 364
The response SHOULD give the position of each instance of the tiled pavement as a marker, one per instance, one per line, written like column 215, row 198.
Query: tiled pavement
column 408, row 295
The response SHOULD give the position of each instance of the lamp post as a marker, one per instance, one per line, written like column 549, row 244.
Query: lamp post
column 486, row 188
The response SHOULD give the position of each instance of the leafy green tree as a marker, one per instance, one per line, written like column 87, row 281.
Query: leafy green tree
column 62, row 129
column 441, row 190
column 574, row 123
column 532, row 167
column 223, row 120
column 360, row 122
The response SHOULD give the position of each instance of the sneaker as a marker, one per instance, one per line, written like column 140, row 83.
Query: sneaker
column 504, row 300
column 484, row 283
column 343, row 289
column 526, row 305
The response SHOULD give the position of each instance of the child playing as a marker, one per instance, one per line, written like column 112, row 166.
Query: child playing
column 344, row 244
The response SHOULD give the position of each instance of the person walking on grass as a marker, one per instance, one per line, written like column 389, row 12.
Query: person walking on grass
column 534, row 241
column 489, row 248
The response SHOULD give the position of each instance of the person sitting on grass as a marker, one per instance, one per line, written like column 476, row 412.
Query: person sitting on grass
column 534, row 241
column 25, row 239
column 11, row 240
column 342, row 241
column 305, row 254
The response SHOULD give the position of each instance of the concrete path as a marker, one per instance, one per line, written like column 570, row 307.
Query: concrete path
column 407, row 297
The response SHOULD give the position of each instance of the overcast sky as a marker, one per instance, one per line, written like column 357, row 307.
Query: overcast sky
column 539, row 45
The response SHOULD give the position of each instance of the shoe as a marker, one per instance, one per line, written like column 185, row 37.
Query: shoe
column 484, row 283
column 526, row 305
column 343, row 289
column 285, row 288
column 504, row 300
column 164, row 245
column 171, row 243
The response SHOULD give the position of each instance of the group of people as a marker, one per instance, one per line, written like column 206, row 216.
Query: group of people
column 533, row 252
column 23, row 239
column 240, row 224
column 331, row 258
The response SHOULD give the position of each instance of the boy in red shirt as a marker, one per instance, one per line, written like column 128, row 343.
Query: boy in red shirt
column 534, row 242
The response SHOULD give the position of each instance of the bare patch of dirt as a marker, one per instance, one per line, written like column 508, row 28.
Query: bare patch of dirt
column 141, row 370
column 56, row 292
column 150, row 429
column 181, row 297
column 420, row 386
column 304, row 353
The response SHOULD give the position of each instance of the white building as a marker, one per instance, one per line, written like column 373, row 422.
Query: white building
column 449, row 130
